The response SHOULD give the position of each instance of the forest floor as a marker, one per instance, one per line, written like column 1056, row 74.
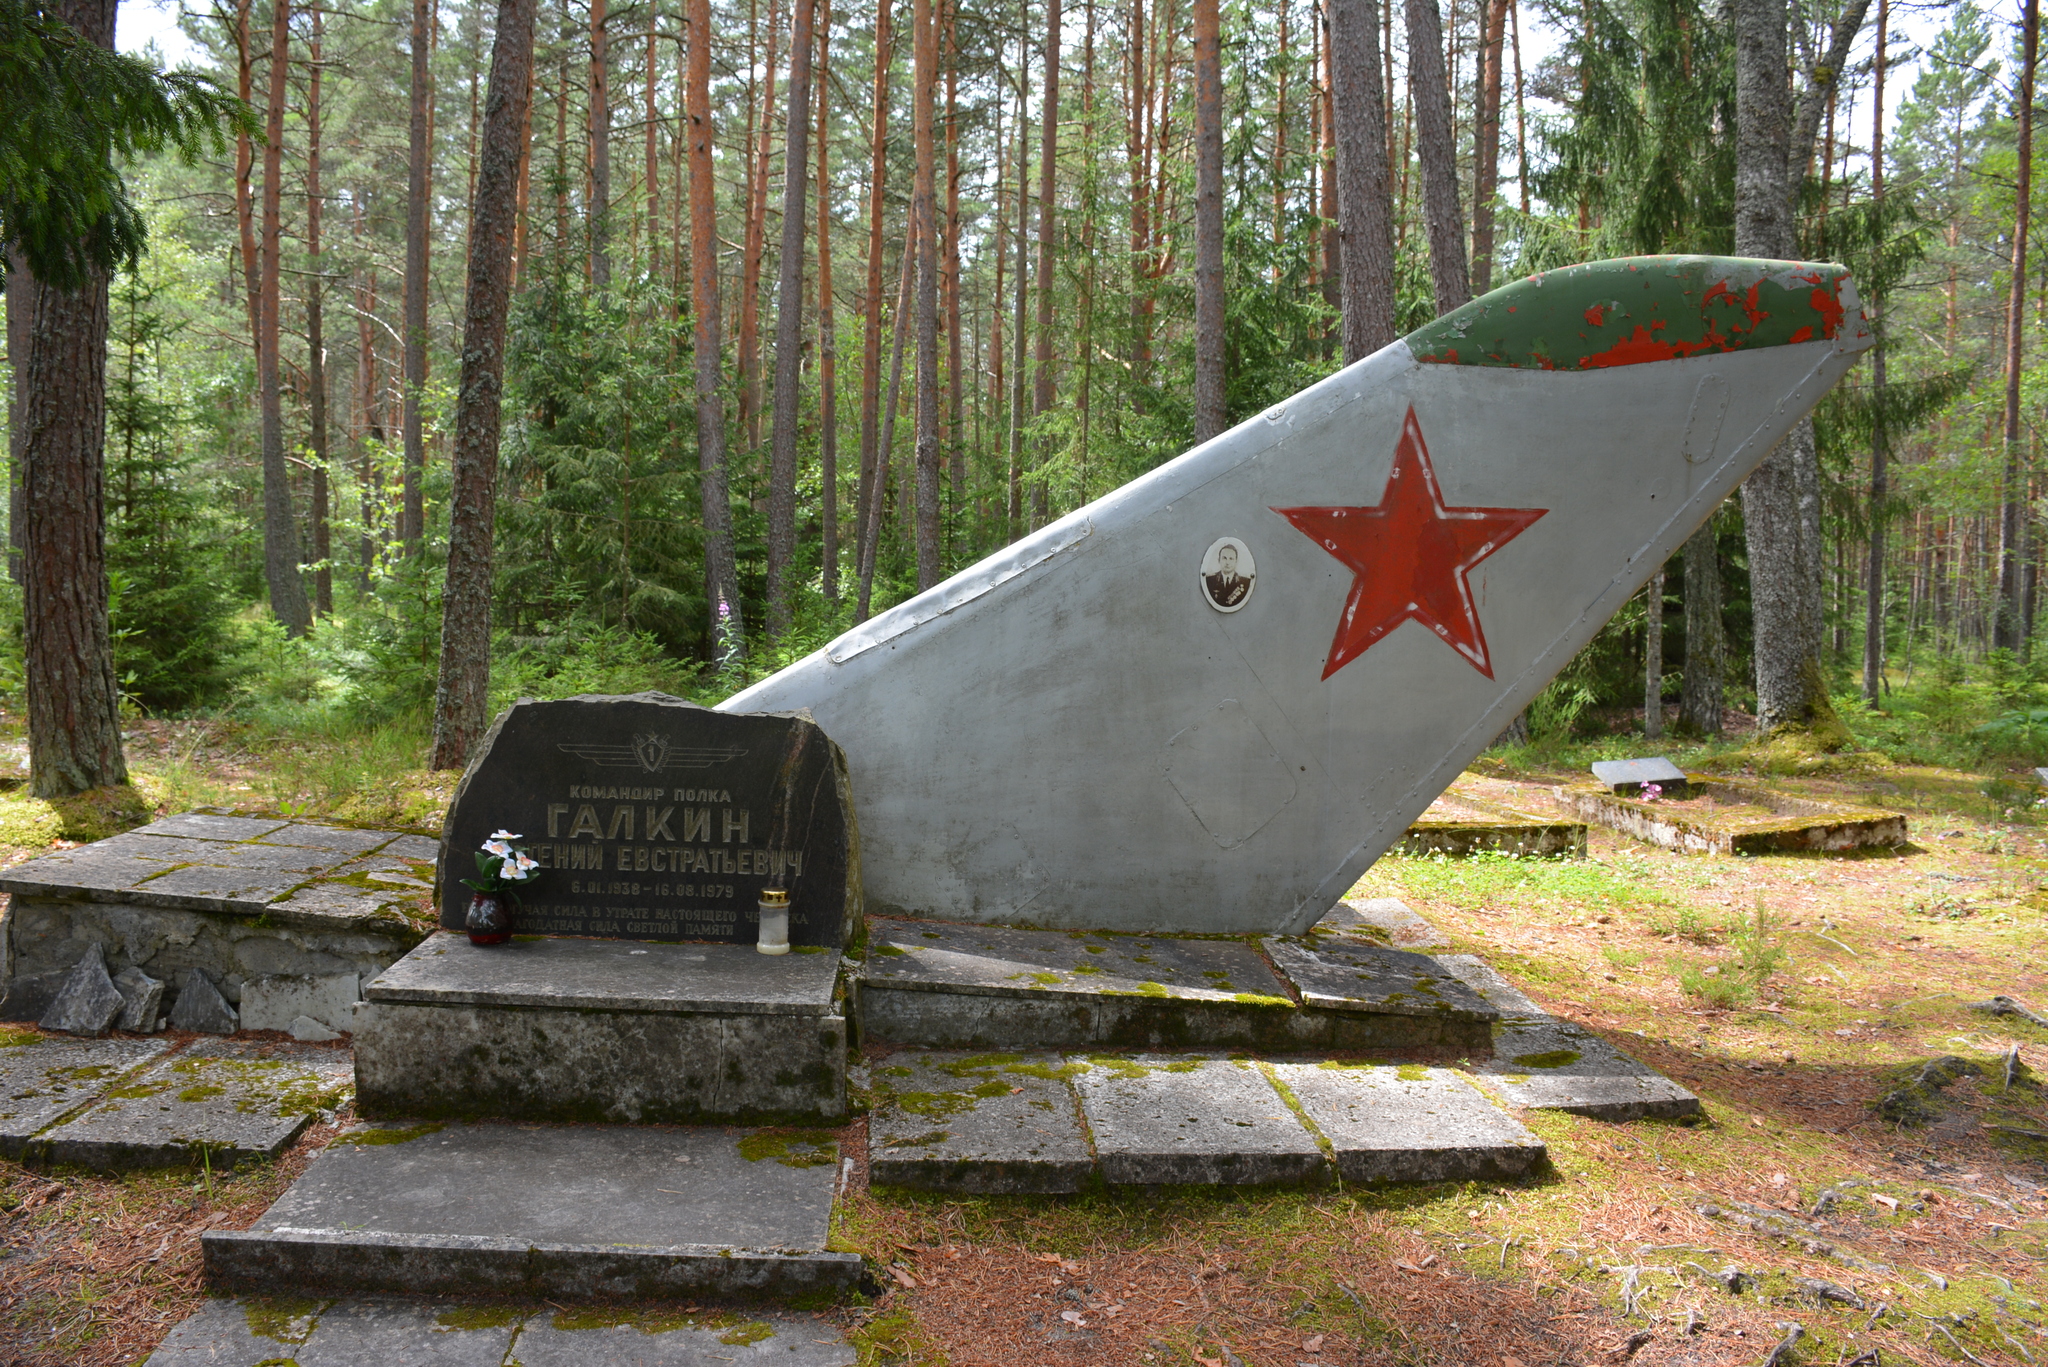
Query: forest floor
column 1835, row 978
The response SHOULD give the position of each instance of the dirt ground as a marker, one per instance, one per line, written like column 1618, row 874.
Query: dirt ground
column 1796, row 1203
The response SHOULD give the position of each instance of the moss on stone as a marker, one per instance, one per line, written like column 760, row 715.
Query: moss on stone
column 791, row 1148
column 14, row 1038
column 285, row 1319
column 391, row 1135
column 891, row 951
column 1549, row 1058
column 753, row 1331
column 204, row 1091
column 1260, row 999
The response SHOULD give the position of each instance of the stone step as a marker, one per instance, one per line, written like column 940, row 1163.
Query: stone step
column 390, row 1332
column 1548, row 1064
column 1010, row 1123
column 556, row 1212
column 602, row 1030
column 948, row 986
column 118, row 1105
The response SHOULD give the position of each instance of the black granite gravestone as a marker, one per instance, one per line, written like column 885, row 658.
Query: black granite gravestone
column 657, row 819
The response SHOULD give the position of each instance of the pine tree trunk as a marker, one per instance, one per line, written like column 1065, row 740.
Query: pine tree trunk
column 1700, row 703
column 1486, row 158
column 1365, row 206
column 753, row 254
column 419, row 166
column 316, row 357
column 1212, row 412
column 2012, row 509
column 721, row 576
column 280, row 525
column 1020, row 289
column 1436, row 144
column 599, row 208
column 828, row 328
column 653, row 154
column 789, row 323
column 462, row 699
column 1327, row 209
column 74, row 700
column 871, row 530
column 1653, row 656
column 924, row 229
column 868, row 495
column 1043, row 391
column 1874, row 584
column 19, row 321
column 245, row 168
column 955, row 361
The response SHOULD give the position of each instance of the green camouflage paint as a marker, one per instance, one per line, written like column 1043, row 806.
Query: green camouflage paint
column 1643, row 308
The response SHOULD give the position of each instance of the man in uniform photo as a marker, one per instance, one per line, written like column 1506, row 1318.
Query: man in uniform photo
column 1227, row 587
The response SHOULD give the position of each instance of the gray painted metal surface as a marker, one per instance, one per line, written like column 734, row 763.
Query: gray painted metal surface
column 1074, row 733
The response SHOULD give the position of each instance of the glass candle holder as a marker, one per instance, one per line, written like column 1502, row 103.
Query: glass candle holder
column 774, row 907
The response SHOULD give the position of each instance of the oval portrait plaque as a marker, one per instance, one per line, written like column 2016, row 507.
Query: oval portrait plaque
column 1227, row 574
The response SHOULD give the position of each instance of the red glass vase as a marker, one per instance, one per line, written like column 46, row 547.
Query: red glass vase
column 487, row 922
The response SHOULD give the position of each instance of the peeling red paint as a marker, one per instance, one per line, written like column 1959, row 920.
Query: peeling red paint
column 1804, row 334
column 1829, row 306
column 1636, row 349
column 1597, row 315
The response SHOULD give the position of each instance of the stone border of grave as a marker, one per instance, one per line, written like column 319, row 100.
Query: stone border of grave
column 1798, row 823
column 1510, row 832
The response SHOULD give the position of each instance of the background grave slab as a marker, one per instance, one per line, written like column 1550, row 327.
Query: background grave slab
column 42, row 1078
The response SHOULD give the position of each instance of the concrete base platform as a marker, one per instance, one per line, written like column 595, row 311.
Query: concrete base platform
column 602, row 1030
column 1549, row 1064
column 1460, row 824
column 1731, row 818
column 946, row 986
column 564, row 1213
column 43, row 1079
column 428, row 1333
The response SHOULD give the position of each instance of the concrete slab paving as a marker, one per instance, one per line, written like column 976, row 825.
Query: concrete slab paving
column 942, row 985
column 984, row 1123
column 218, row 1101
column 1409, row 1124
column 1161, row 1119
column 1386, row 919
column 394, row 1332
column 1549, row 1064
column 42, row 1078
column 1385, row 998
column 566, row 1212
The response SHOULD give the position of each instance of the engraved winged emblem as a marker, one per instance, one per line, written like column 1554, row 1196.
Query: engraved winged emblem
column 654, row 752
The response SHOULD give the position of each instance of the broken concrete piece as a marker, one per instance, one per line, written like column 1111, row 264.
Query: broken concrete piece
column 143, row 998
column 1409, row 1124
column 312, row 1031
column 201, row 1007
column 1626, row 777
column 272, row 1001
column 982, row 1123
column 87, row 1003
column 1159, row 1119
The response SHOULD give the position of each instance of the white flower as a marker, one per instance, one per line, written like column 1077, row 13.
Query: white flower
column 498, row 847
column 518, row 869
column 504, row 835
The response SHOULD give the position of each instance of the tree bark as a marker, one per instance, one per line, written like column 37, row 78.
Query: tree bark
column 1043, row 390
column 653, row 153
column 789, row 322
column 599, row 208
column 752, row 255
column 1365, row 205
column 1486, row 152
column 1436, row 144
column 872, row 474
column 462, row 699
column 1874, row 584
column 74, row 699
column 1699, row 707
column 316, row 358
column 245, row 168
column 1781, row 500
column 721, row 575
column 2012, row 505
column 871, row 530
column 412, row 520
column 280, row 525
column 955, row 363
column 828, row 328
column 1020, row 289
column 1212, row 413
column 1653, row 655
column 924, row 229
